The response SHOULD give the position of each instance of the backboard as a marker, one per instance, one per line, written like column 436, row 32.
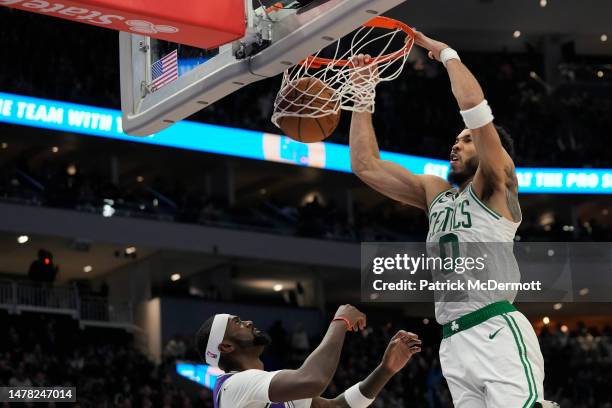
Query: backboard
column 164, row 82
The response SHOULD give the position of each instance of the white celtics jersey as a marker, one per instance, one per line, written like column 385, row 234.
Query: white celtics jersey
column 457, row 218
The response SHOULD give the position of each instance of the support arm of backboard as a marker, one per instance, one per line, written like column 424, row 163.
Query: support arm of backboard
column 294, row 37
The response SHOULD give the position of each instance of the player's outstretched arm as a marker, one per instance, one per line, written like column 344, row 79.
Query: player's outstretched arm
column 313, row 377
column 399, row 351
column 387, row 177
column 495, row 163
column 496, row 170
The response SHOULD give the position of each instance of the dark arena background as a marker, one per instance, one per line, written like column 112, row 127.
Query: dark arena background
column 114, row 248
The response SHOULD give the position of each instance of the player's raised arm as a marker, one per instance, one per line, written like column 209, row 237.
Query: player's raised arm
column 400, row 350
column 313, row 377
column 496, row 169
column 387, row 177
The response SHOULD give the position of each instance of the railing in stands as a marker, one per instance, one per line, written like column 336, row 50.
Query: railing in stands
column 98, row 309
column 19, row 297
column 34, row 296
column 7, row 299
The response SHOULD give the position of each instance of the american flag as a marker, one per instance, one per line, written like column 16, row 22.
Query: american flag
column 164, row 71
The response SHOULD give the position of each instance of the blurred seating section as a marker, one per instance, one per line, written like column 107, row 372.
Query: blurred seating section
column 108, row 371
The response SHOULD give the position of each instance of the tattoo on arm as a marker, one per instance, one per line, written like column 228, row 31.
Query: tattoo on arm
column 512, row 193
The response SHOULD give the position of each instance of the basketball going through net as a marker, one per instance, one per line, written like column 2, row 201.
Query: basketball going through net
column 307, row 107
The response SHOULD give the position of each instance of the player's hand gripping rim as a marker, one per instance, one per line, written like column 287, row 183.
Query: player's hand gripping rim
column 364, row 69
column 433, row 47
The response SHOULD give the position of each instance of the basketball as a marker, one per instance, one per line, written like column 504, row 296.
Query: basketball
column 307, row 95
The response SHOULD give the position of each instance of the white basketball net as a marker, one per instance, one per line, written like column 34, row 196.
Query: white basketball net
column 349, row 87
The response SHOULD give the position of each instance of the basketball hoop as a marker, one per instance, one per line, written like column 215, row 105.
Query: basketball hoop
column 347, row 86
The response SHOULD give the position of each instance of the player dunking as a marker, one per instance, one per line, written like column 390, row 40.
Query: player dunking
column 490, row 354
column 235, row 346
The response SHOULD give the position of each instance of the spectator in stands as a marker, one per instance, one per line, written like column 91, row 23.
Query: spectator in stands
column 175, row 349
column 204, row 399
column 76, row 362
column 300, row 344
column 279, row 346
column 42, row 268
column 19, row 379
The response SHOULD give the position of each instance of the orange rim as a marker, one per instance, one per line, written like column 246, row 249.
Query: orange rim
column 377, row 22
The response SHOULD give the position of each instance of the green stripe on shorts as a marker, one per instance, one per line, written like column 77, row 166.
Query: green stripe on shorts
column 535, row 389
column 522, row 349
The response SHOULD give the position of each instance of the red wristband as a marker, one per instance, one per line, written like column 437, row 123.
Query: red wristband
column 345, row 320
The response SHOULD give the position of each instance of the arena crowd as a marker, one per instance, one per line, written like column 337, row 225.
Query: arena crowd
column 108, row 371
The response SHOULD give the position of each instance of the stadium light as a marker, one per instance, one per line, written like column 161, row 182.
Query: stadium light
column 107, row 208
column 130, row 250
column 547, row 218
column 71, row 170
column 22, row 239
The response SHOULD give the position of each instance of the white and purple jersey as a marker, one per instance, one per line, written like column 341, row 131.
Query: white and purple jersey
column 249, row 389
